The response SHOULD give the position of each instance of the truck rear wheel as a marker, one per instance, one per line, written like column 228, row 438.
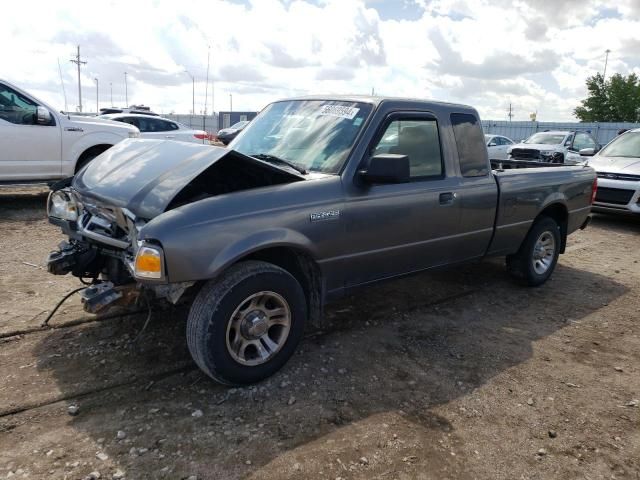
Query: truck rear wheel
column 536, row 259
column 245, row 325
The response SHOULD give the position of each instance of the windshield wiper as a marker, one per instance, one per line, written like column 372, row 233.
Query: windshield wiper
column 273, row 159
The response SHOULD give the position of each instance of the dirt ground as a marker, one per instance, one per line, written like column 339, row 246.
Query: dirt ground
column 449, row 375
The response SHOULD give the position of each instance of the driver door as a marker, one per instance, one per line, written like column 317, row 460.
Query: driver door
column 28, row 150
column 394, row 229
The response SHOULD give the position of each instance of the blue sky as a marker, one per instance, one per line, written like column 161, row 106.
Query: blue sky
column 535, row 55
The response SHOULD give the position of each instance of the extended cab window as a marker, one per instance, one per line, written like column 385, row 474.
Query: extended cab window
column 15, row 108
column 418, row 139
column 470, row 142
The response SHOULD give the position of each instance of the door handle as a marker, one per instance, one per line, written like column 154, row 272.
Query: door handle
column 447, row 198
column 169, row 136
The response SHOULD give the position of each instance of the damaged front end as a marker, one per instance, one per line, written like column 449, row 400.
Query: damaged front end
column 103, row 251
column 105, row 207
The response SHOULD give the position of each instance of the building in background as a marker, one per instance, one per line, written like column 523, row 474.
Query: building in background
column 226, row 119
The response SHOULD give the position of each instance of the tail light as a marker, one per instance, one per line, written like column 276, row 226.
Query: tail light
column 594, row 189
column 201, row 136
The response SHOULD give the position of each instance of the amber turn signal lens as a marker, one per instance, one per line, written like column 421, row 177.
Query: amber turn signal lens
column 149, row 263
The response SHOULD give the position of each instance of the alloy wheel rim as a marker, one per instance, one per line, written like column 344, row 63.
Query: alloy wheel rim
column 543, row 252
column 258, row 328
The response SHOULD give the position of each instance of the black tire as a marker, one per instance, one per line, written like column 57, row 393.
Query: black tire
column 212, row 311
column 522, row 265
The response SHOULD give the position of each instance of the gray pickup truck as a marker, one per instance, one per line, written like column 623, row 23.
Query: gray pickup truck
column 317, row 196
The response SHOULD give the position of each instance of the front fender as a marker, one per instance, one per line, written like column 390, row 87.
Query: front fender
column 277, row 237
column 203, row 253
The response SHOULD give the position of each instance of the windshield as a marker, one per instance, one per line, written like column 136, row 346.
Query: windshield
column 315, row 135
column 626, row 145
column 546, row 138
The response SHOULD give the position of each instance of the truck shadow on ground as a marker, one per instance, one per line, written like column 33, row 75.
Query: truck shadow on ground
column 404, row 346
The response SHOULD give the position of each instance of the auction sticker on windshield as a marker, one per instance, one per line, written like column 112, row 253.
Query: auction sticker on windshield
column 339, row 111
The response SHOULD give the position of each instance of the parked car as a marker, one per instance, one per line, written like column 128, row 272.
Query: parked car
column 264, row 234
column 618, row 169
column 227, row 134
column 553, row 147
column 141, row 109
column 497, row 145
column 39, row 144
column 159, row 128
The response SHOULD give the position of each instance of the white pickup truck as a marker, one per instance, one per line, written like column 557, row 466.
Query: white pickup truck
column 38, row 144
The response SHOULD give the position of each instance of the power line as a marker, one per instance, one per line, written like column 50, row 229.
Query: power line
column 79, row 63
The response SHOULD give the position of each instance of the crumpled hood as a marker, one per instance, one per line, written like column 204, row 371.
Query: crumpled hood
column 539, row 146
column 627, row 165
column 145, row 175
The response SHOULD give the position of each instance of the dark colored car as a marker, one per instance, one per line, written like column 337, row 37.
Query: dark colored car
column 227, row 134
column 318, row 197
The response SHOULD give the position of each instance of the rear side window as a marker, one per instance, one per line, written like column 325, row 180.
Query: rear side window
column 129, row 120
column 472, row 152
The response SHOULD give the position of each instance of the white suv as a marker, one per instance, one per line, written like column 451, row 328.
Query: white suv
column 553, row 147
column 39, row 144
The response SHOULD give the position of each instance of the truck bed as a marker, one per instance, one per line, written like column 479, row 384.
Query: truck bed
column 524, row 192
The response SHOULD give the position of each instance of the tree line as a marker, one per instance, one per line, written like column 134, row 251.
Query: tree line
column 616, row 99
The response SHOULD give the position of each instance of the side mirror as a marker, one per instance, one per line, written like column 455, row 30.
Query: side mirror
column 386, row 168
column 43, row 116
column 587, row 152
column 492, row 144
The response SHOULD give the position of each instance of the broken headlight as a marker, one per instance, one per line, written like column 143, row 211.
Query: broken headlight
column 61, row 205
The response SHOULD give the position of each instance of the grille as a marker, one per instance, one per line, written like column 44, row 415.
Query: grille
column 619, row 176
column 525, row 154
column 617, row 196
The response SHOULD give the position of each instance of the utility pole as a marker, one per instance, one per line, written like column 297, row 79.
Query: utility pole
column 97, row 97
column 193, row 93
column 510, row 114
column 606, row 59
column 231, row 102
column 79, row 62
column 126, row 91
column 64, row 93
column 206, row 90
column 111, row 88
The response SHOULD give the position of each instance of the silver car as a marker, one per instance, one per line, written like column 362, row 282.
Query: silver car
column 618, row 169
column 497, row 146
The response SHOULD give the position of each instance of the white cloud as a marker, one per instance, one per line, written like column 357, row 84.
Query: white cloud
column 535, row 54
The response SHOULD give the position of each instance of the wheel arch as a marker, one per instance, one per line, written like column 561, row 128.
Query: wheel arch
column 557, row 211
column 295, row 259
column 90, row 152
column 304, row 268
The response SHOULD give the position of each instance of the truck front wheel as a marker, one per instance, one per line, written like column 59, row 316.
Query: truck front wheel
column 244, row 325
column 537, row 257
